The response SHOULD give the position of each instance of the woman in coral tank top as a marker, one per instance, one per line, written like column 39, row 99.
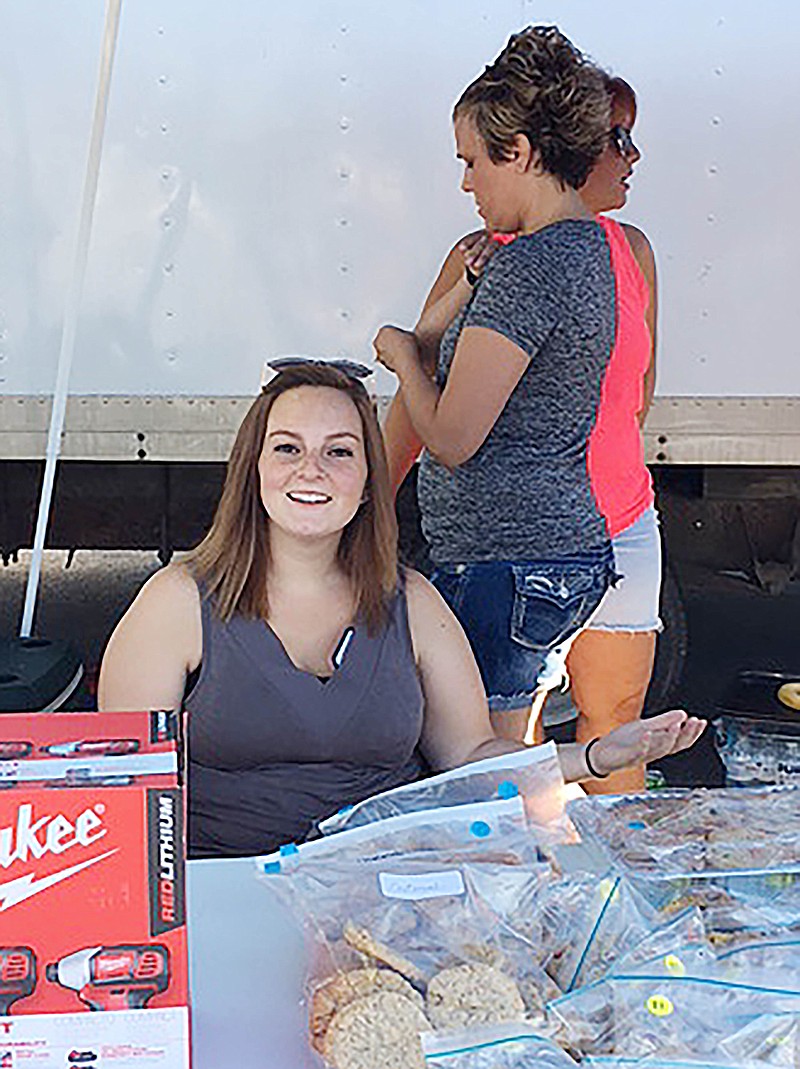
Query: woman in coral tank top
column 611, row 662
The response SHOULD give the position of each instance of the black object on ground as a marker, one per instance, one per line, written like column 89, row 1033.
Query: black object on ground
column 37, row 674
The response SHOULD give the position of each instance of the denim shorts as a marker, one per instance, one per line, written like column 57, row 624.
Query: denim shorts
column 521, row 617
column 633, row 603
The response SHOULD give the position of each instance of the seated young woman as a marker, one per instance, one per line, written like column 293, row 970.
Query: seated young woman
column 313, row 671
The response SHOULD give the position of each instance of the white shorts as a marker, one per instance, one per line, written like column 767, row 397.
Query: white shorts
column 633, row 604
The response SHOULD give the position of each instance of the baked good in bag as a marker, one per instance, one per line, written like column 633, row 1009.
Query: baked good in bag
column 361, row 940
column 380, row 1031
column 343, row 988
column 471, row 994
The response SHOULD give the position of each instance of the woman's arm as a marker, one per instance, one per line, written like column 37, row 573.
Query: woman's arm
column 457, row 727
column 643, row 251
column 155, row 645
column 447, row 297
column 453, row 423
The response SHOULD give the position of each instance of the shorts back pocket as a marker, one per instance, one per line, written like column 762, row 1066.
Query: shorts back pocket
column 552, row 600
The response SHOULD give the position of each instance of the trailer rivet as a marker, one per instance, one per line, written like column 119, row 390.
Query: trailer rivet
column 344, row 123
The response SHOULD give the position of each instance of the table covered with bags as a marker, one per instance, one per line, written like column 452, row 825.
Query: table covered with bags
column 476, row 921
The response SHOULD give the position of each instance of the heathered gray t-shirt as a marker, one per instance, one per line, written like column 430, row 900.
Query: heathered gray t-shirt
column 526, row 493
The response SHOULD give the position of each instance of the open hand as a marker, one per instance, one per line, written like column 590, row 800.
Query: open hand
column 642, row 741
column 394, row 348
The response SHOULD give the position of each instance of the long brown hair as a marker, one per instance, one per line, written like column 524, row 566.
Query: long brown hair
column 232, row 561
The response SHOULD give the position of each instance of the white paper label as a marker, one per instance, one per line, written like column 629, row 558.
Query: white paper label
column 422, row 884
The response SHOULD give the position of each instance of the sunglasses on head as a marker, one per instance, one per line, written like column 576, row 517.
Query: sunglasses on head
column 622, row 141
column 351, row 368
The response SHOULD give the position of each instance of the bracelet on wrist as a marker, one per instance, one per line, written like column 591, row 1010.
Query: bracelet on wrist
column 587, row 758
column 470, row 276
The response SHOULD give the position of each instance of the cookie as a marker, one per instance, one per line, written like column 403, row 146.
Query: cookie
column 473, row 994
column 343, row 988
column 380, row 1031
column 361, row 940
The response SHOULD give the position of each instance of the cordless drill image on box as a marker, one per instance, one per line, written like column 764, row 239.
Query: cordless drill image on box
column 17, row 975
column 114, row 978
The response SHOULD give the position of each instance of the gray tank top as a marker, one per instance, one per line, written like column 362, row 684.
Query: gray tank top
column 273, row 749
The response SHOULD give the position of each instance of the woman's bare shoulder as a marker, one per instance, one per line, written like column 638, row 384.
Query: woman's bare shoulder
column 428, row 613
column 170, row 589
column 640, row 246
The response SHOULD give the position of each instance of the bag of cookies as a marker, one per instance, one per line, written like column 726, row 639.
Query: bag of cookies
column 678, row 833
column 589, row 922
column 495, row 830
column 664, row 1016
column 514, row 1046
column 771, row 1040
column 773, row 961
column 390, row 923
column 534, row 774
column 679, row 947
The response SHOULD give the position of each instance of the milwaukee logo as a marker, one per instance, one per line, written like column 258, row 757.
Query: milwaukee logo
column 16, row 891
column 48, row 835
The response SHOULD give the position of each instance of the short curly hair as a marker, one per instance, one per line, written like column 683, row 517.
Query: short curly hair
column 541, row 86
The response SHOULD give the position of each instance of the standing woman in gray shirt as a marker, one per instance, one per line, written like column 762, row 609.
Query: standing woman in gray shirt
column 521, row 549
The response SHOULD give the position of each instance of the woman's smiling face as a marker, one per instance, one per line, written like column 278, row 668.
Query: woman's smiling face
column 313, row 466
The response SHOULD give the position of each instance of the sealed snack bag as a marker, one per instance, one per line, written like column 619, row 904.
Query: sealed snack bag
column 610, row 1062
column 515, row 1046
column 680, row 947
column 534, row 774
column 664, row 1017
column 495, row 830
column 410, row 940
column 588, row 923
column 773, row 962
column 772, row 1040
column 679, row 832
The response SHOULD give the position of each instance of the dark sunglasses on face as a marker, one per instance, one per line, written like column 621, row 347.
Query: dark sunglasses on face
column 622, row 141
column 351, row 368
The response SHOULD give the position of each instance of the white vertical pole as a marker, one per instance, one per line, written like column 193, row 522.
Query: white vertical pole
column 72, row 307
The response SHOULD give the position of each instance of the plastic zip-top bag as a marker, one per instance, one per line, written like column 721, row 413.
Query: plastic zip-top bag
column 409, row 938
column 610, row 1062
column 583, row 923
column 512, row 1046
column 534, row 774
column 679, row 947
column 712, row 832
column 774, row 962
column 772, row 1040
column 664, row 1017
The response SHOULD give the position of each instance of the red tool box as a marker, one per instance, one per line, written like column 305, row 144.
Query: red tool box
column 93, row 963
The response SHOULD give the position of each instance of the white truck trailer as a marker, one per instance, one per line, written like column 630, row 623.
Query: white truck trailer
column 281, row 178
